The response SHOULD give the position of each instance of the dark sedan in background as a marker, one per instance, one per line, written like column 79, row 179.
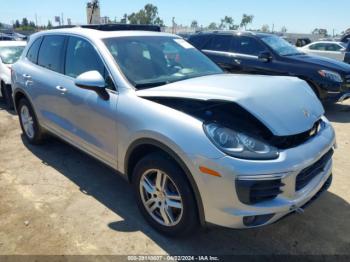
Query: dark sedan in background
column 258, row 53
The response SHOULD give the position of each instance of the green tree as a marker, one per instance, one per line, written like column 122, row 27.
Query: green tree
column 1, row 25
column 246, row 19
column 17, row 24
column 227, row 23
column 212, row 26
column 124, row 20
column 49, row 25
column 25, row 22
column 32, row 24
column 194, row 24
column 148, row 16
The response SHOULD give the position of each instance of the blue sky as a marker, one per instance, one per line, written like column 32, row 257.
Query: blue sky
column 297, row 15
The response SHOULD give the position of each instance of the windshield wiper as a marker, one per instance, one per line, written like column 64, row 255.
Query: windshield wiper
column 150, row 84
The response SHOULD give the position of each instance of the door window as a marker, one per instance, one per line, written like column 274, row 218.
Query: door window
column 318, row 47
column 51, row 53
column 247, row 45
column 333, row 47
column 81, row 57
column 32, row 54
column 220, row 43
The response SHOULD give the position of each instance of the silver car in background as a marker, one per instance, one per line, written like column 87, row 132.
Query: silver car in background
column 329, row 49
column 199, row 146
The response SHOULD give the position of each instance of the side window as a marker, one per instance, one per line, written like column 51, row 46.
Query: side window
column 220, row 43
column 33, row 51
column 248, row 46
column 319, row 47
column 199, row 41
column 81, row 57
column 333, row 47
column 51, row 53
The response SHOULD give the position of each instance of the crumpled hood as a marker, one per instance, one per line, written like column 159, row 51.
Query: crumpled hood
column 286, row 105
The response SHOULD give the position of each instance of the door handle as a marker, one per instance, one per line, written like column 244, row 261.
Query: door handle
column 237, row 61
column 61, row 89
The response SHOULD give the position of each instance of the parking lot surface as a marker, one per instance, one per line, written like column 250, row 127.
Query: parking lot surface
column 56, row 200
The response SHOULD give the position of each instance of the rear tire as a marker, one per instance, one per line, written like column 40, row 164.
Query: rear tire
column 31, row 129
column 164, row 196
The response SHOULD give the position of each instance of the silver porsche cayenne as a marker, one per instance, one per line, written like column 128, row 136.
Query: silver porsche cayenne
column 199, row 146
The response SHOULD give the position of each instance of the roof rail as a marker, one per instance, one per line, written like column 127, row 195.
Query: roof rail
column 225, row 32
column 115, row 27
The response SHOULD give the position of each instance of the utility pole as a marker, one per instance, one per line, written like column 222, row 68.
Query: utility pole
column 62, row 19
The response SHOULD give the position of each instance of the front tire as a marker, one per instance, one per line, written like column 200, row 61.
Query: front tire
column 30, row 126
column 164, row 196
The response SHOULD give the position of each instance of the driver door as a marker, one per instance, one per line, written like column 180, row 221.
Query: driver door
column 93, row 117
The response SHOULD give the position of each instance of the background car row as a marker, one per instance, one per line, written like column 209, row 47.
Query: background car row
column 244, row 52
column 266, row 54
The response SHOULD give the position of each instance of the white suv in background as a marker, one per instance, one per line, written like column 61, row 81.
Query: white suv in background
column 10, row 52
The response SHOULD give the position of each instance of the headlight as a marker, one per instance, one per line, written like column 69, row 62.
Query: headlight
column 333, row 76
column 239, row 145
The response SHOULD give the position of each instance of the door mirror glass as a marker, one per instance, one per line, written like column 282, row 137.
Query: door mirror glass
column 265, row 57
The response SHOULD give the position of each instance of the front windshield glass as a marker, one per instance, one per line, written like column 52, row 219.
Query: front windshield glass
column 149, row 61
column 10, row 54
column 281, row 46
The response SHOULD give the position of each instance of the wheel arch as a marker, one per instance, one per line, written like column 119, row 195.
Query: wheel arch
column 143, row 146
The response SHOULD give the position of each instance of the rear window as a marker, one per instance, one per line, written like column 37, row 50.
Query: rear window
column 51, row 53
column 10, row 54
column 33, row 51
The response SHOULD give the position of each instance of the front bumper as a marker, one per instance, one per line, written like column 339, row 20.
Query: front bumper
column 221, row 203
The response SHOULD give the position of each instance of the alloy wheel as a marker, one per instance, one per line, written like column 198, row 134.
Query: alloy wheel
column 161, row 197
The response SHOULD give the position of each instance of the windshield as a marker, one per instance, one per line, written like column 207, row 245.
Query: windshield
column 149, row 61
column 10, row 54
column 281, row 46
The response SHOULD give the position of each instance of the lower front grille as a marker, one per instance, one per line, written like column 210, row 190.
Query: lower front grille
column 254, row 191
column 309, row 173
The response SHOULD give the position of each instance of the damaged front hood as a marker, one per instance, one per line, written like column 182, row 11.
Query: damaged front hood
column 285, row 105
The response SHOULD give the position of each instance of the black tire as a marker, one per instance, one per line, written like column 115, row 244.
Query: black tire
column 189, row 220
column 38, row 133
column 7, row 95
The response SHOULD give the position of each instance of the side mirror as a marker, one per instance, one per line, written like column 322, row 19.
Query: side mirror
column 93, row 80
column 265, row 57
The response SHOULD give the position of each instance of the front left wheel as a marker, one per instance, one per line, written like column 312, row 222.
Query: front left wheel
column 164, row 195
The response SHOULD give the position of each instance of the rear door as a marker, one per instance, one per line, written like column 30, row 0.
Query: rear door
column 219, row 50
column 93, row 118
column 41, row 77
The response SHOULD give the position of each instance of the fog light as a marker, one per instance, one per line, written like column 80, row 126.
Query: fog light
column 248, row 221
column 253, row 221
